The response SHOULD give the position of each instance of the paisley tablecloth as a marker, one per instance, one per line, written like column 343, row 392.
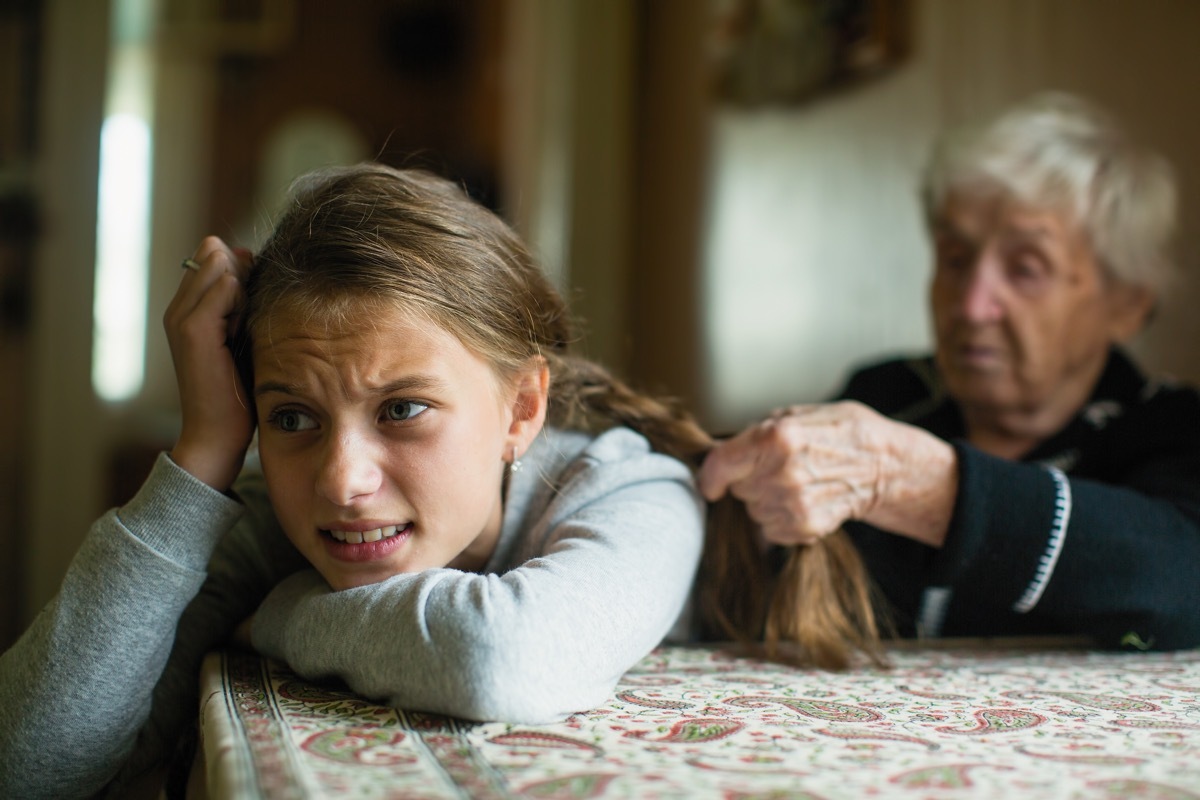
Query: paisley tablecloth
column 692, row 722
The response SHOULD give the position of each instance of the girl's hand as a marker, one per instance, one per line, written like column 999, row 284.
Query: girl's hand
column 217, row 419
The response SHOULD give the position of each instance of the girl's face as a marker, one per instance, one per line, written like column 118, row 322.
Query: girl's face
column 383, row 446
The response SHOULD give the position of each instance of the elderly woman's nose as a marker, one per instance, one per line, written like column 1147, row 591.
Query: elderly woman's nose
column 981, row 290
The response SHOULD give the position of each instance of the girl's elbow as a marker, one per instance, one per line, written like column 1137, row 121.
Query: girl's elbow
column 529, row 705
column 527, row 691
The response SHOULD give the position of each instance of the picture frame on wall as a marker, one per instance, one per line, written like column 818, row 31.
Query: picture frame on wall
column 784, row 52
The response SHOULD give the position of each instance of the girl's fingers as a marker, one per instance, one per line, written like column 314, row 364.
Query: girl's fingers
column 243, row 259
column 214, row 259
column 220, row 298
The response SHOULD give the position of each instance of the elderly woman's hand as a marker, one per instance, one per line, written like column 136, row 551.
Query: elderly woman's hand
column 217, row 420
column 807, row 469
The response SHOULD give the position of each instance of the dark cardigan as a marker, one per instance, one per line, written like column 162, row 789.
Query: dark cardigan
column 1096, row 532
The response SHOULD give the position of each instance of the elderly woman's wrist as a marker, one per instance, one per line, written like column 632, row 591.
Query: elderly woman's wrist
column 917, row 500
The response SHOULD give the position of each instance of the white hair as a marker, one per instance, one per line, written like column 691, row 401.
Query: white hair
column 1058, row 152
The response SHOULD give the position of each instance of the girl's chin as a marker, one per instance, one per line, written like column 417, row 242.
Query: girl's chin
column 341, row 580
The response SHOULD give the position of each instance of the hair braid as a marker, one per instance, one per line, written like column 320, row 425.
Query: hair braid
column 813, row 609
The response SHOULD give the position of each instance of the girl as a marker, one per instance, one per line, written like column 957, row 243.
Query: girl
column 496, row 529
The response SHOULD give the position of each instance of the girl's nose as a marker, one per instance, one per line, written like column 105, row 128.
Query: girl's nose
column 348, row 470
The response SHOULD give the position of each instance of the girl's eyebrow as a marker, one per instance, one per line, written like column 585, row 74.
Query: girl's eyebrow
column 409, row 383
column 267, row 387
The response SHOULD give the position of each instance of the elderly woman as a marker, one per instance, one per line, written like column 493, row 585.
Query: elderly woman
column 1026, row 478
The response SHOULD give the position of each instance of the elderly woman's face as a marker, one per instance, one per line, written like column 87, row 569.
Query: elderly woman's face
column 1023, row 314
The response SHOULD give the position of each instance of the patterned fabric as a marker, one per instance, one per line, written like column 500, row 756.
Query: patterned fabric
column 691, row 722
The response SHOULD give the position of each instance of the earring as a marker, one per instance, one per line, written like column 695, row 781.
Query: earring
column 515, row 464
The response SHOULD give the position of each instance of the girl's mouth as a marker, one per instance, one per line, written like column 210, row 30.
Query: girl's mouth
column 368, row 545
column 374, row 535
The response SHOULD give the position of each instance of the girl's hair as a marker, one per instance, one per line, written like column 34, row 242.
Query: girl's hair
column 370, row 234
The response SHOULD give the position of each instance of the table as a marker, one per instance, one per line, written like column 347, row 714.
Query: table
column 703, row 722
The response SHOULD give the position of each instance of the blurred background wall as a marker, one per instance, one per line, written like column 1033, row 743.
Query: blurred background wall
column 726, row 189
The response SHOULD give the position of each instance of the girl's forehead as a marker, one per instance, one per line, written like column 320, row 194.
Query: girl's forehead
column 373, row 335
column 394, row 322
column 367, row 321
column 359, row 363
column 342, row 312
column 292, row 325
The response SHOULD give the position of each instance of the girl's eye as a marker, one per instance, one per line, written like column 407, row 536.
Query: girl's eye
column 400, row 410
column 290, row 420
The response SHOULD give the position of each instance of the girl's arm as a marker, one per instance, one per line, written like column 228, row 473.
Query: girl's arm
column 76, row 687
column 611, row 564
column 248, row 560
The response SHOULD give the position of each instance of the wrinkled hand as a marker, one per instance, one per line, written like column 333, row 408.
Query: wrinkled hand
column 217, row 420
column 807, row 469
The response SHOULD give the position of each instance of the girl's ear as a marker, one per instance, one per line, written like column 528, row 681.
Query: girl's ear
column 531, row 398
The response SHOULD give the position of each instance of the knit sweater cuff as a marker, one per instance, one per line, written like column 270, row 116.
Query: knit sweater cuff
column 1004, row 520
column 178, row 515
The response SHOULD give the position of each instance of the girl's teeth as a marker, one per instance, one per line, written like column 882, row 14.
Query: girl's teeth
column 358, row 537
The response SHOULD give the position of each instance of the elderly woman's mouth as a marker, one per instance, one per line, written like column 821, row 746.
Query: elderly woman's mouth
column 976, row 357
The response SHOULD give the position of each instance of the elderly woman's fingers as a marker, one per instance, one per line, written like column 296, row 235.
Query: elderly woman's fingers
column 802, row 472
column 752, row 461
column 802, row 511
column 730, row 462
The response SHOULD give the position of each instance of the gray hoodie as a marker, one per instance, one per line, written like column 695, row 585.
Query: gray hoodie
column 600, row 542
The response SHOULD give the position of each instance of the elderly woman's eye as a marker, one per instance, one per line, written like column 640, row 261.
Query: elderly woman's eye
column 954, row 258
column 400, row 410
column 1028, row 268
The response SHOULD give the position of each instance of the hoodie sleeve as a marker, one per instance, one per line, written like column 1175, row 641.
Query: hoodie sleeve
column 613, row 559
column 76, row 687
